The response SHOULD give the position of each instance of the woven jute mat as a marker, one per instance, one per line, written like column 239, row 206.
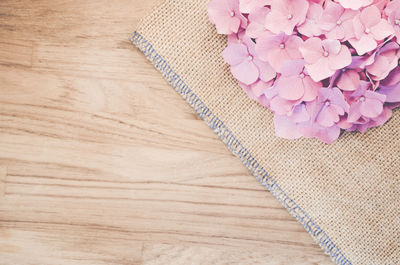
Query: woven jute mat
column 346, row 195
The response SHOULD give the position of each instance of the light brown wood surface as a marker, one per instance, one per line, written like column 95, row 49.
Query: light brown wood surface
column 101, row 162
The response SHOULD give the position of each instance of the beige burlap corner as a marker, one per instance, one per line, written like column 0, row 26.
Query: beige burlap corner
column 346, row 195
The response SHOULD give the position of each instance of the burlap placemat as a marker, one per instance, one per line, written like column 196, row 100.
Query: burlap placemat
column 346, row 195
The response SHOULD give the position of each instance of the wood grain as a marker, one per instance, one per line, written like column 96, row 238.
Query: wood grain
column 102, row 163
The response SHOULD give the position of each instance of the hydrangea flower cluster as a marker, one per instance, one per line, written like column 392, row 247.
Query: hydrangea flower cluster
column 322, row 66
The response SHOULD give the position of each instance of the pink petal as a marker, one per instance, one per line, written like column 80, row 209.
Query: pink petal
column 330, row 16
column 349, row 15
column 371, row 108
column 392, row 93
column 343, row 30
column 219, row 14
column 277, row 19
column 327, row 117
column 338, row 99
column 349, row 80
column 311, row 89
column 246, row 6
column 271, row 92
column 354, row 4
column 311, row 27
column 341, row 60
column 358, row 27
column 312, row 50
column 354, row 112
column 281, row 106
column 259, row 88
column 248, row 91
column 374, row 95
column 382, row 30
column 292, row 47
column 256, row 27
column 393, row 78
column 299, row 114
column 285, row 128
column 234, row 54
column 290, row 88
column 217, row 9
column 277, row 58
column 344, row 124
column 337, row 33
column 299, row 10
column 251, row 46
column 370, row 16
column 267, row 45
column 246, row 72
column 258, row 15
column 267, row 73
column 392, row 7
column 236, row 37
column 320, row 70
column 234, row 25
column 365, row 44
column 348, row 26
column 383, row 118
column 268, row 49
column 277, row 23
column 379, row 68
column 333, row 47
column 292, row 68
column 328, row 135
column 254, row 30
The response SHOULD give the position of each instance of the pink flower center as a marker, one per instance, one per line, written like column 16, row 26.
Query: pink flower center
column 326, row 53
column 362, row 99
column 250, row 58
column 367, row 30
column 397, row 22
column 302, row 75
column 232, row 14
column 290, row 16
column 339, row 22
column 327, row 103
column 282, row 46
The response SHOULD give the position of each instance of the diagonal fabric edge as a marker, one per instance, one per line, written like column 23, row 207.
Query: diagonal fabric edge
column 319, row 236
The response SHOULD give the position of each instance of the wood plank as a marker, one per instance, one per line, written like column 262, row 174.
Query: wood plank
column 101, row 162
column 3, row 175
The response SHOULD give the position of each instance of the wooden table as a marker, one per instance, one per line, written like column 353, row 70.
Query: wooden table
column 101, row 162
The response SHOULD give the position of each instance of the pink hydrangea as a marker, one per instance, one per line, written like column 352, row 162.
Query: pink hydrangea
column 246, row 6
column 321, row 66
column 278, row 49
column 365, row 103
column 285, row 15
column 355, row 4
column 348, row 79
column 337, row 22
column 324, row 57
column 245, row 65
column 257, row 23
column 311, row 26
column 392, row 11
column 369, row 29
column 386, row 59
column 226, row 16
column 295, row 83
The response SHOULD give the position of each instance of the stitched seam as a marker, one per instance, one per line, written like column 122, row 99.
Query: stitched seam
column 238, row 149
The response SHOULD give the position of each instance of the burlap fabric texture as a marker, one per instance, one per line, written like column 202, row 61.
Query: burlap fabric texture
column 346, row 195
